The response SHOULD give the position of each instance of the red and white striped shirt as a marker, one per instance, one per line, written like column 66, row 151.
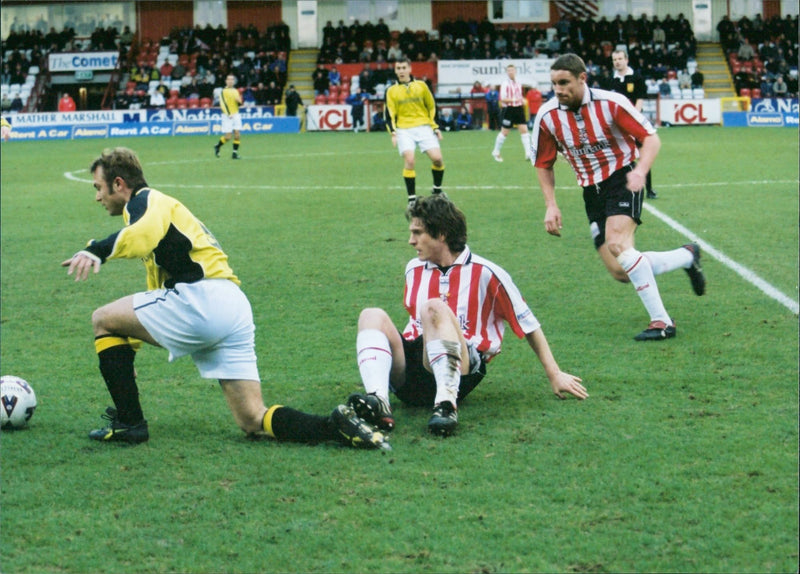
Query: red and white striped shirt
column 481, row 294
column 597, row 139
column 511, row 90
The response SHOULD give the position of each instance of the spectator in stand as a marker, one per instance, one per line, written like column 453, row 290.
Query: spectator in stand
column 249, row 97
column 534, row 98
column 394, row 53
column 5, row 103
column 178, row 71
column 684, row 79
column 745, row 52
column 320, row 80
column 493, row 107
column 780, row 89
column 273, row 94
column 378, row 123
column 697, row 78
column 357, row 102
column 334, row 77
column 66, row 103
column 447, row 122
column 766, row 87
column 157, row 100
column 464, row 119
column 365, row 79
column 17, row 104
column 293, row 100
column 478, row 95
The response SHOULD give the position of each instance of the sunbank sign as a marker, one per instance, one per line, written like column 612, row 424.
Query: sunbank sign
column 80, row 61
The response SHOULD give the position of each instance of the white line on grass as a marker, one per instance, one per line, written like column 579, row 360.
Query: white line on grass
column 748, row 275
column 741, row 270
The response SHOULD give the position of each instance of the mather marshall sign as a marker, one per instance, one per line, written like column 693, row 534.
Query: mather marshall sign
column 83, row 61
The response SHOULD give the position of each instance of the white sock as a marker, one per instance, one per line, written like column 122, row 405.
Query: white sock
column 664, row 261
column 526, row 143
column 374, row 355
column 641, row 275
column 445, row 358
column 498, row 142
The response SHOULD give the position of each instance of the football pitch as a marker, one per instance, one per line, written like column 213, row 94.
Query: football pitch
column 684, row 458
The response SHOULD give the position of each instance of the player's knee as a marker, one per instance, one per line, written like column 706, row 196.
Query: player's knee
column 372, row 318
column 101, row 321
column 619, row 275
column 433, row 312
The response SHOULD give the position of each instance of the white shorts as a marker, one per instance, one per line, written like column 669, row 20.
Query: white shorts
column 409, row 138
column 231, row 123
column 211, row 320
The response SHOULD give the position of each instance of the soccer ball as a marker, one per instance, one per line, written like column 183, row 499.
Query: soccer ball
column 17, row 402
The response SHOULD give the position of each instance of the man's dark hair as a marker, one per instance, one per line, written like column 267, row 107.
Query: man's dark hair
column 403, row 60
column 120, row 162
column 572, row 63
column 440, row 216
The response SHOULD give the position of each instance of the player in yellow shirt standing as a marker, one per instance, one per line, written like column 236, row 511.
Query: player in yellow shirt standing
column 411, row 119
column 229, row 101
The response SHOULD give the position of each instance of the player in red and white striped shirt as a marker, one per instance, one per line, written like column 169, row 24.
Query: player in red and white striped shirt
column 597, row 132
column 512, row 112
column 458, row 305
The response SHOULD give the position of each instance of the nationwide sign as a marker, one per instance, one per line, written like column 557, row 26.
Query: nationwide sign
column 79, row 61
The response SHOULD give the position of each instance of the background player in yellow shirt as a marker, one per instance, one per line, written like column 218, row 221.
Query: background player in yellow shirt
column 411, row 119
column 229, row 101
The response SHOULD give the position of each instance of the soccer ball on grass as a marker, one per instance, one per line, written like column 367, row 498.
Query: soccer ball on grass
column 17, row 402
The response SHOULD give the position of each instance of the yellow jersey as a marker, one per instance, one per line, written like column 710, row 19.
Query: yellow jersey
column 409, row 106
column 175, row 246
column 229, row 101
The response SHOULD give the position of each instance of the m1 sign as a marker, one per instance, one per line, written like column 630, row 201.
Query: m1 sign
column 689, row 112
column 328, row 118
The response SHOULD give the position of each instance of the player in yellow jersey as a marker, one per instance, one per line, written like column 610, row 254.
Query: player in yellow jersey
column 193, row 306
column 411, row 119
column 229, row 101
column 6, row 129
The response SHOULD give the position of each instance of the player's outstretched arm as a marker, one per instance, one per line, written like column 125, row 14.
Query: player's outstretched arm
column 560, row 381
column 552, row 216
column 81, row 263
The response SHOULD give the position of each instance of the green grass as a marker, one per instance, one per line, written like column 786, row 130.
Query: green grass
column 684, row 458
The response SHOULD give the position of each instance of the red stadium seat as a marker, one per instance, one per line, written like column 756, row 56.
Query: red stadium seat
column 744, row 92
column 756, row 92
column 182, row 103
column 333, row 91
column 320, row 100
column 206, row 102
column 193, row 103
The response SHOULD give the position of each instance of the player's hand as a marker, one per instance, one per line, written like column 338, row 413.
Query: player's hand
column 635, row 180
column 81, row 263
column 566, row 383
column 552, row 221
column 394, row 140
column 438, row 133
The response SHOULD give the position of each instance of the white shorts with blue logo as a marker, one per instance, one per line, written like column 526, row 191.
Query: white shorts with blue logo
column 211, row 320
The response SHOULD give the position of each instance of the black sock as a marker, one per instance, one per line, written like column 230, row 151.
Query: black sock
column 290, row 424
column 116, row 366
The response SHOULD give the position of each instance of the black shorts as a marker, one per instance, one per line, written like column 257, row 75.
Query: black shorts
column 611, row 197
column 512, row 116
column 419, row 388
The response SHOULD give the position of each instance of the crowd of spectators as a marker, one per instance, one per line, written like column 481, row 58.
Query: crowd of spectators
column 188, row 67
column 762, row 55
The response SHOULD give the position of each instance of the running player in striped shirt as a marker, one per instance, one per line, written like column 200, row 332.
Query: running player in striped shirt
column 512, row 113
column 597, row 131
column 193, row 306
column 229, row 100
column 410, row 114
column 458, row 305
